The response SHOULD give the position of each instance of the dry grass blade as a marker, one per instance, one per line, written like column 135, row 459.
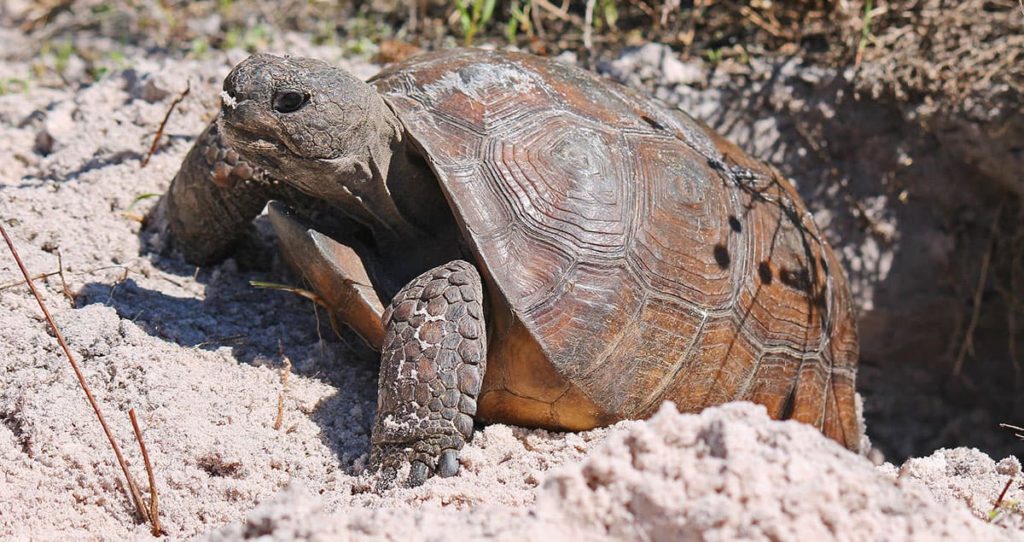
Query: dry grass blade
column 286, row 371
column 132, row 487
column 154, row 510
column 312, row 296
column 285, row 288
column 986, row 260
column 995, row 507
column 163, row 123
column 40, row 276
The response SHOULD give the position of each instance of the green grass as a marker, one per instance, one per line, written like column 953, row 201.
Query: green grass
column 473, row 17
column 13, row 85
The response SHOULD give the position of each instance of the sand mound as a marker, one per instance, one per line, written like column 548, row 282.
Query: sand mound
column 729, row 473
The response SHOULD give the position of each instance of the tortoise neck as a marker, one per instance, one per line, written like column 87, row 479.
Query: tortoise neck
column 362, row 189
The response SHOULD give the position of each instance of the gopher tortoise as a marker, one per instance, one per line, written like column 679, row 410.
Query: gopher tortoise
column 558, row 250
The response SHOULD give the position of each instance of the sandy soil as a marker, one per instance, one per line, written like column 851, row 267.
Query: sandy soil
column 196, row 353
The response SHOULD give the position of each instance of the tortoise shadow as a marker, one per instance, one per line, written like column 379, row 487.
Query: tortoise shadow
column 260, row 328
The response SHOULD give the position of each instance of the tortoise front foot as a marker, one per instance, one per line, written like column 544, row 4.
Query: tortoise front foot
column 432, row 364
column 210, row 203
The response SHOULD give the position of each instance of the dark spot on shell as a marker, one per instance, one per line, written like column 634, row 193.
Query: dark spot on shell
column 716, row 164
column 764, row 270
column 820, row 301
column 798, row 279
column 722, row 256
column 788, row 405
column 653, row 123
column 734, row 223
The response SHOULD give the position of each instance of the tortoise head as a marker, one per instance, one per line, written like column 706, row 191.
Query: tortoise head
column 304, row 121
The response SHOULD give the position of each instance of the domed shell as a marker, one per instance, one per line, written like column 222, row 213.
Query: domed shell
column 631, row 254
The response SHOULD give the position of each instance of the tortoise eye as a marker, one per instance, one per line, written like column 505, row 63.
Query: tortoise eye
column 289, row 101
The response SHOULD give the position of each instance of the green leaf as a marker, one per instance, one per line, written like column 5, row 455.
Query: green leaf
column 488, row 11
column 610, row 13
column 512, row 28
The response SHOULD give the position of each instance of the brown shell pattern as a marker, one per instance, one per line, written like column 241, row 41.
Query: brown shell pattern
column 648, row 257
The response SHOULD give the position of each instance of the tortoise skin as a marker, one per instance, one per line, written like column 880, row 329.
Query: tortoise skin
column 630, row 254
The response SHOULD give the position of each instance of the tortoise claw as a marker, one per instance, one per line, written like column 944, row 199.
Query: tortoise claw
column 422, row 464
column 418, row 473
column 448, row 465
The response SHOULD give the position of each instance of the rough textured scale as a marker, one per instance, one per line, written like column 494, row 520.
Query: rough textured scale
column 572, row 253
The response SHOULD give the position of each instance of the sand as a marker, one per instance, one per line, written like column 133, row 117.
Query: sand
column 198, row 354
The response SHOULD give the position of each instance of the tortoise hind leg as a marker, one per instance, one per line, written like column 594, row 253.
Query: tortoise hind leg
column 432, row 364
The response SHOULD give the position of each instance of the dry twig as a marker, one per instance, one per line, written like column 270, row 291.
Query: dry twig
column 588, row 25
column 558, row 12
column 748, row 13
column 132, row 487
column 63, row 281
column 163, row 124
column 1014, row 428
column 154, row 514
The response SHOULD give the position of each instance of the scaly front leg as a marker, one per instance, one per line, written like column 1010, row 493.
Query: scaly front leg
column 211, row 201
column 432, row 342
column 432, row 364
